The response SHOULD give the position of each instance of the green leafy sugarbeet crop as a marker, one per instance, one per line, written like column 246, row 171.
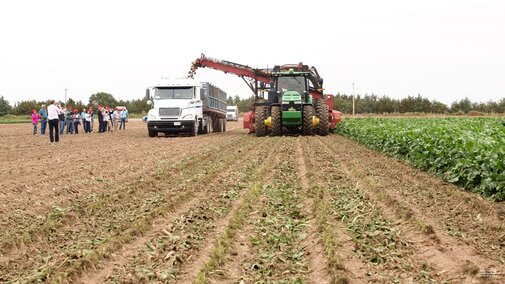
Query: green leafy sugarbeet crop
column 468, row 152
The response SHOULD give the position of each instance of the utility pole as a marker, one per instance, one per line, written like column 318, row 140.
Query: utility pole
column 66, row 97
column 353, row 98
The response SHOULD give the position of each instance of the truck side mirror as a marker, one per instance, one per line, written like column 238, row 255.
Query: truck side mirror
column 148, row 94
column 202, row 94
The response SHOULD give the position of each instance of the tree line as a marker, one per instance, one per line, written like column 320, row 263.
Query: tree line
column 138, row 106
column 374, row 104
column 412, row 104
column 363, row 104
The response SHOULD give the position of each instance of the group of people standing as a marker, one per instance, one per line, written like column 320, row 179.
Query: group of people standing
column 58, row 119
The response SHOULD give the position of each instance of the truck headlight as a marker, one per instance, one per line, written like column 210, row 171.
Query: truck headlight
column 151, row 117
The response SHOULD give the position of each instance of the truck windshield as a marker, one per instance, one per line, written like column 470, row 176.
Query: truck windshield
column 165, row 93
column 291, row 83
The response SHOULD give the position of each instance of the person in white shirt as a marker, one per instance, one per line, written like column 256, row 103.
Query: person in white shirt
column 53, row 110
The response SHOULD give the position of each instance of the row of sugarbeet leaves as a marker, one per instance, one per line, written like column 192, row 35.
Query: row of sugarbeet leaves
column 469, row 152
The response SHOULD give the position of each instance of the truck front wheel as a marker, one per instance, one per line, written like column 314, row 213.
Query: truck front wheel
column 152, row 133
column 194, row 131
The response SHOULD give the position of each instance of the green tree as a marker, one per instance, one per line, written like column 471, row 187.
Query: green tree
column 438, row 107
column 464, row 105
column 5, row 107
column 101, row 98
column 137, row 106
column 25, row 107
column 245, row 105
column 230, row 101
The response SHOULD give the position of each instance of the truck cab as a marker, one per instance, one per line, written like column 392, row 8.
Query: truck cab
column 232, row 113
column 185, row 106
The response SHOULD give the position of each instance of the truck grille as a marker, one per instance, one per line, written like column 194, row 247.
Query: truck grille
column 170, row 111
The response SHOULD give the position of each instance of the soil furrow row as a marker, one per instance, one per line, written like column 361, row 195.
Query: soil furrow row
column 340, row 261
column 143, row 200
column 223, row 249
column 318, row 261
column 276, row 247
column 54, row 180
column 378, row 243
column 456, row 257
column 176, row 247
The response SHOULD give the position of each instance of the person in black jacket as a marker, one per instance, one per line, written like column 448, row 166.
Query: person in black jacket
column 100, row 119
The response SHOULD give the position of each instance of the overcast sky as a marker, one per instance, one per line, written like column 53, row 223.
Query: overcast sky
column 442, row 49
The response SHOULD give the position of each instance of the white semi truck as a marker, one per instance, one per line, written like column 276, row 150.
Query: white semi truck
column 186, row 106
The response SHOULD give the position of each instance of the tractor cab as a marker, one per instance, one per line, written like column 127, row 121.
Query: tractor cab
column 289, row 86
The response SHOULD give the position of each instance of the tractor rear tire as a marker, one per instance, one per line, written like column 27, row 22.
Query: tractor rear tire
column 307, row 114
column 322, row 113
column 276, row 121
column 261, row 129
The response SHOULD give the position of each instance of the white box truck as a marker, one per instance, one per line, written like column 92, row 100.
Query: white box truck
column 232, row 113
column 185, row 106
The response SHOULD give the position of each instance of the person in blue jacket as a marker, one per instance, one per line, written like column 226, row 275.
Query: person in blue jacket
column 43, row 119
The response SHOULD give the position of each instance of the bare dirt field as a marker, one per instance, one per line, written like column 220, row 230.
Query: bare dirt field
column 233, row 208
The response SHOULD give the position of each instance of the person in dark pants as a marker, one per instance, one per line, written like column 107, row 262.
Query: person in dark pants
column 53, row 111
column 100, row 119
column 43, row 119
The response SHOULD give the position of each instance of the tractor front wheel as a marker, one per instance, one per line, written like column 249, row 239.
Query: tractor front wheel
column 276, row 121
column 307, row 120
column 322, row 113
column 261, row 129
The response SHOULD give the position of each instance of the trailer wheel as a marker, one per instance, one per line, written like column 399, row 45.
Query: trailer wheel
column 322, row 114
column 307, row 114
column 220, row 125
column 261, row 129
column 276, row 121
column 215, row 125
column 152, row 133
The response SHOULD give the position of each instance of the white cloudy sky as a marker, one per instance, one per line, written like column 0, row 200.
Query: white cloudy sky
column 444, row 50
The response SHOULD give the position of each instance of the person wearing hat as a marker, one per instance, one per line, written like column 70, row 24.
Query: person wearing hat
column 35, row 121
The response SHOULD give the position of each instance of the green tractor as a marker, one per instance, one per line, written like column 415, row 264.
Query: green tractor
column 293, row 105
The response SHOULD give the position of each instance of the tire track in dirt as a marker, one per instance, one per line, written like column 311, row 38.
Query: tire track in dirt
column 313, row 244
column 341, row 262
column 82, row 260
column 218, row 245
column 221, row 264
column 131, row 254
column 452, row 258
column 276, row 252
